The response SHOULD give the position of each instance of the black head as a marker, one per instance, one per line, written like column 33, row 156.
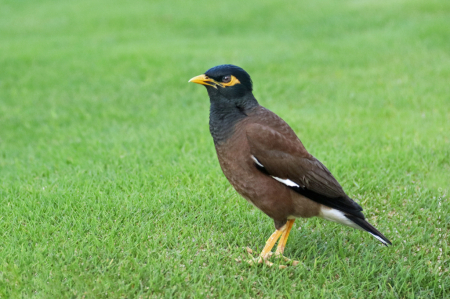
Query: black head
column 230, row 93
column 225, row 80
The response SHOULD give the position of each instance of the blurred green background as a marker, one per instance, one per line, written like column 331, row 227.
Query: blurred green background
column 110, row 186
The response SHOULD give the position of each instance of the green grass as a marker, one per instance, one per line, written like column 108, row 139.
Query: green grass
column 110, row 186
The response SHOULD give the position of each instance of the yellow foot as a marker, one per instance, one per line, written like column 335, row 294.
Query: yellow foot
column 259, row 260
column 286, row 259
column 266, row 260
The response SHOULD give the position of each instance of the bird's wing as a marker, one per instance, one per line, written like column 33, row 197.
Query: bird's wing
column 285, row 159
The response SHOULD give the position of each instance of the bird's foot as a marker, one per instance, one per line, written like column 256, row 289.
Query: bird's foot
column 266, row 259
column 260, row 259
column 280, row 256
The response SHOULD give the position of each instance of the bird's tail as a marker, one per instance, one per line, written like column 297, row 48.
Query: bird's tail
column 369, row 228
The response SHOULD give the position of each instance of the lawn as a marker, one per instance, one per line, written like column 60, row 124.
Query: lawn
column 110, row 186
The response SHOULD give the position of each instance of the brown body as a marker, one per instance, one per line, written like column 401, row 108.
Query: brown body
column 272, row 197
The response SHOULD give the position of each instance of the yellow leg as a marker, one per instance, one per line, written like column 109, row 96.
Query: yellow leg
column 271, row 242
column 284, row 237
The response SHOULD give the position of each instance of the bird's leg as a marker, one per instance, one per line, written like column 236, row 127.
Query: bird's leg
column 266, row 252
column 284, row 237
column 271, row 242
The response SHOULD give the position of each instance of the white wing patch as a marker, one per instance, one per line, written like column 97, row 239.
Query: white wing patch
column 287, row 182
column 256, row 161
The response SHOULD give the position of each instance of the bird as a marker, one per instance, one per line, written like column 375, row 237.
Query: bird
column 268, row 165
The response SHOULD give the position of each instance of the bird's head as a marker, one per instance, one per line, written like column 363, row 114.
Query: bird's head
column 228, row 81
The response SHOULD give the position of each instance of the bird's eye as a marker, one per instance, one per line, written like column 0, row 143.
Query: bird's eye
column 226, row 79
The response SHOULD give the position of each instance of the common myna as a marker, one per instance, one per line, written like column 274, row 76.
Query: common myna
column 267, row 163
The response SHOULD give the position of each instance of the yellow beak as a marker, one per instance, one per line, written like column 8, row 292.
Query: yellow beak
column 203, row 80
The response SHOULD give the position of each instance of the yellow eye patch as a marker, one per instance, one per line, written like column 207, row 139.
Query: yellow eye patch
column 232, row 82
